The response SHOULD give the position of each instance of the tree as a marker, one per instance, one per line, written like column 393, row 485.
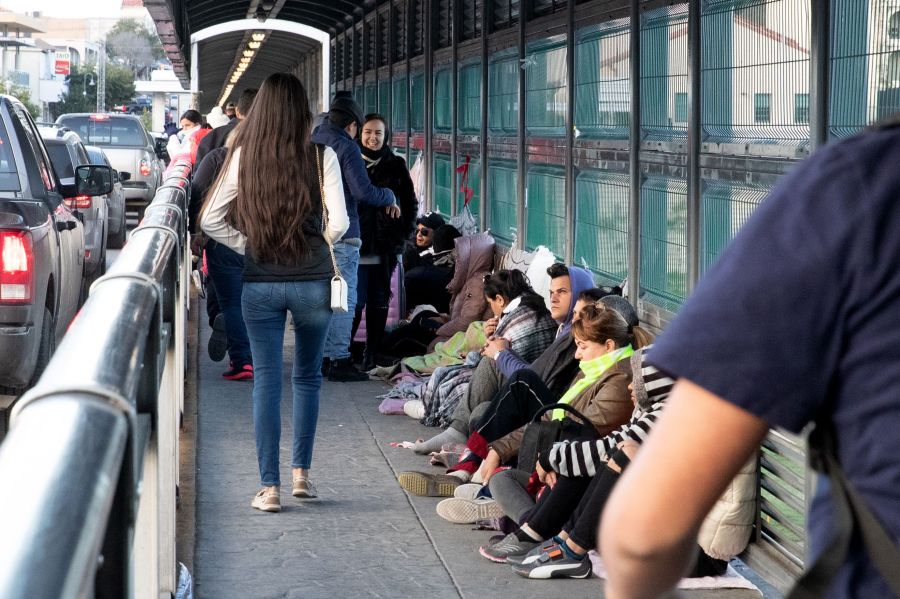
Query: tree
column 81, row 95
column 131, row 44
column 24, row 96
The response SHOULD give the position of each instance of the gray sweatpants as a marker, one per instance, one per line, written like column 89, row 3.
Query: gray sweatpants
column 485, row 383
column 508, row 488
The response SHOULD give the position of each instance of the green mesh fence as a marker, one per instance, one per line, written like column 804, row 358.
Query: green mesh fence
column 474, row 182
column 546, row 93
column 442, row 101
column 503, row 207
column 724, row 208
column 417, row 110
column 602, row 89
column 754, row 66
column 865, row 63
column 663, row 241
column 601, row 225
column 545, row 209
column 664, row 62
column 503, row 95
column 441, row 182
column 371, row 103
column 468, row 99
column 384, row 97
column 400, row 108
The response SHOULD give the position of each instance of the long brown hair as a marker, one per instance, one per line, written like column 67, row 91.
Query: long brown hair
column 598, row 323
column 276, row 170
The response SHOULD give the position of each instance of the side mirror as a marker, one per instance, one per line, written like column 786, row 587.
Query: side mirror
column 124, row 176
column 93, row 180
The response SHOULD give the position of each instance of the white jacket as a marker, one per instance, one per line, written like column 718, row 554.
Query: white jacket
column 726, row 530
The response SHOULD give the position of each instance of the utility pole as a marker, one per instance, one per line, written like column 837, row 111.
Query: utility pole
column 101, row 78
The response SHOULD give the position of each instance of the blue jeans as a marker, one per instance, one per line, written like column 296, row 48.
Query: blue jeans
column 226, row 267
column 337, row 346
column 265, row 306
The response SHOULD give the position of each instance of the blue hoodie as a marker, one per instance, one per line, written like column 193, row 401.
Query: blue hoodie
column 579, row 280
column 357, row 185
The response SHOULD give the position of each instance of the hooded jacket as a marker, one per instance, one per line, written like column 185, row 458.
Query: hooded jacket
column 474, row 259
column 357, row 186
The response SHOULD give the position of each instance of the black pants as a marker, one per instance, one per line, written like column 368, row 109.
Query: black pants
column 411, row 339
column 574, row 505
column 373, row 292
column 523, row 394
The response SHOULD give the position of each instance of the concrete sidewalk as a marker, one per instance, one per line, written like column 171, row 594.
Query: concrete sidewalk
column 364, row 536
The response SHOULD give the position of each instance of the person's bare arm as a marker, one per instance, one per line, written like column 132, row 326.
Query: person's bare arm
column 649, row 527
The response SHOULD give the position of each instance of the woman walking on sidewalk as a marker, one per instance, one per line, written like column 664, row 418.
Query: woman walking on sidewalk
column 267, row 205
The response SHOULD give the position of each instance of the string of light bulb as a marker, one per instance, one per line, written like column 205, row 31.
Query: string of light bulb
column 253, row 46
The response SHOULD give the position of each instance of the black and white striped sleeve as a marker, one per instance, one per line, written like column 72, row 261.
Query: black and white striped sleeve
column 586, row 458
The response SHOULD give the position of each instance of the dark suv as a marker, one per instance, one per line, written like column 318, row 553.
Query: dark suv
column 41, row 248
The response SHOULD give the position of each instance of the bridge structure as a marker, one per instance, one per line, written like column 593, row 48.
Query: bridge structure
column 633, row 137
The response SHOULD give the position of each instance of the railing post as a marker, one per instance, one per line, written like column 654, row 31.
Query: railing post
column 634, row 166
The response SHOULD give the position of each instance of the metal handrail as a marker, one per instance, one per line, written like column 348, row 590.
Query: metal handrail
column 88, row 469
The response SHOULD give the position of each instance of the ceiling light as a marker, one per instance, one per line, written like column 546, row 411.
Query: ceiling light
column 248, row 53
column 258, row 37
column 245, row 60
column 254, row 45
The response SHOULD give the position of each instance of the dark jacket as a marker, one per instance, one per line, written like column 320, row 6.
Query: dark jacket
column 204, row 176
column 215, row 139
column 357, row 186
column 382, row 235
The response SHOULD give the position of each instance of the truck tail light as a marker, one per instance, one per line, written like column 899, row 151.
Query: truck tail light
column 78, row 202
column 16, row 267
column 145, row 167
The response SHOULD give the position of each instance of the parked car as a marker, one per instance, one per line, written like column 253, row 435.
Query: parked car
column 66, row 153
column 115, row 201
column 128, row 147
column 41, row 249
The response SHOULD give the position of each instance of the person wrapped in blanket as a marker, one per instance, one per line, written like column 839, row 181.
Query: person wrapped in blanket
column 556, row 534
column 599, row 392
column 520, row 316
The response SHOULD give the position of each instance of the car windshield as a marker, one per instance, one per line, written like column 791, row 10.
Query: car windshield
column 62, row 162
column 107, row 131
column 9, row 179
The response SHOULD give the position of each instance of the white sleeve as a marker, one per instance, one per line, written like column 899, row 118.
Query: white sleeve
column 338, row 221
column 212, row 219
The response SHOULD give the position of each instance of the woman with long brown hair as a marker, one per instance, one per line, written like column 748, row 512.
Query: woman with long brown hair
column 268, row 205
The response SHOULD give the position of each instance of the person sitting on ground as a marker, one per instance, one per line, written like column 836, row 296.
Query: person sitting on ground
column 520, row 318
column 556, row 366
column 427, row 272
column 472, row 258
column 580, row 474
column 599, row 392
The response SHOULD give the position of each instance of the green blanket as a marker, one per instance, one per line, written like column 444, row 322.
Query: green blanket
column 449, row 352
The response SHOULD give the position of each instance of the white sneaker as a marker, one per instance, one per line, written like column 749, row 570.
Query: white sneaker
column 415, row 409
column 468, row 511
column 467, row 491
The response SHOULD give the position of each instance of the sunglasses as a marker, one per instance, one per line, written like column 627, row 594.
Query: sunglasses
column 423, row 231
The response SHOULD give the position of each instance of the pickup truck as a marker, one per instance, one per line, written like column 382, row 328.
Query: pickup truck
column 41, row 248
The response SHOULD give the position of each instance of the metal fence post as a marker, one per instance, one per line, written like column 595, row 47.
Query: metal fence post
column 694, row 183
column 634, row 160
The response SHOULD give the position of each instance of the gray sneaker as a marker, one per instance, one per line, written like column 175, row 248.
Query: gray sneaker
column 554, row 563
column 518, row 560
column 508, row 546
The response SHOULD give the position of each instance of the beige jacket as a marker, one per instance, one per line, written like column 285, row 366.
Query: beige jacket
column 726, row 530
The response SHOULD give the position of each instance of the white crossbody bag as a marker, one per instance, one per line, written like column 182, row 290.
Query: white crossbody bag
column 338, row 284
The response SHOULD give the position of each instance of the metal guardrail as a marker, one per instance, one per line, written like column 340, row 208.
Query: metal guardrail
column 89, row 469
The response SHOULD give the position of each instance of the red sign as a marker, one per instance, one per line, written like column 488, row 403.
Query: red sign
column 62, row 65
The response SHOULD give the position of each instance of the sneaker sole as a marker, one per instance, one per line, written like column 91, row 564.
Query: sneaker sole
column 466, row 511
column 493, row 558
column 244, row 376
column 424, row 486
column 548, row 572
column 217, row 346
column 266, row 508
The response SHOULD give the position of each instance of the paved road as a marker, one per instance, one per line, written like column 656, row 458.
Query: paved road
column 364, row 537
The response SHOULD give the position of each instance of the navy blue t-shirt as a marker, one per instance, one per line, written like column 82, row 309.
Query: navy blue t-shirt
column 802, row 314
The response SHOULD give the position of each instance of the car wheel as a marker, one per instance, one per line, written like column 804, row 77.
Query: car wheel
column 46, row 347
column 117, row 241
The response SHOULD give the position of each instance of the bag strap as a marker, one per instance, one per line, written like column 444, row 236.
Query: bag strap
column 559, row 406
column 320, row 171
column 850, row 512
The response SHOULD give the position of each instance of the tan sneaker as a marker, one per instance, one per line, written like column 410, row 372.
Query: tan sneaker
column 304, row 489
column 426, row 484
column 266, row 501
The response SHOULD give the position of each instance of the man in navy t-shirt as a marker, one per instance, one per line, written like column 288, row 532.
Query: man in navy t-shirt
column 799, row 318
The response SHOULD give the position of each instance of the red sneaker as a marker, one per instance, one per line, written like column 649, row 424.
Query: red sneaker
column 238, row 373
